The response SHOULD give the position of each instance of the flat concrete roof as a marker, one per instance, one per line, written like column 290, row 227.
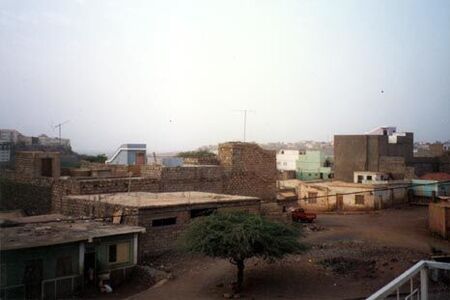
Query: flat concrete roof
column 156, row 200
column 41, row 233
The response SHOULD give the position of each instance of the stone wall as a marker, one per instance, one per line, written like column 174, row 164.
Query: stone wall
column 249, row 170
column 156, row 239
column 34, row 198
column 159, row 239
column 29, row 164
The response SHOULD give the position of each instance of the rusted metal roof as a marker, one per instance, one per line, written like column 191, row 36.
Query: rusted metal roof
column 439, row 176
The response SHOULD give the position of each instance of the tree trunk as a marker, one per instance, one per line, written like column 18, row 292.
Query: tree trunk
column 240, row 274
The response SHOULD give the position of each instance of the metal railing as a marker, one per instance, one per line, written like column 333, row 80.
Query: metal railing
column 419, row 292
column 55, row 281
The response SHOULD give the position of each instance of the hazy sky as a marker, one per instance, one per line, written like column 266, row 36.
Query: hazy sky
column 170, row 73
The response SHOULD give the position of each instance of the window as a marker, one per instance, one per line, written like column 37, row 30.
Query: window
column 164, row 222
column 312, row 197
column 369, row 177
column 119, row 253
column 360, row 178
column 201, row 212
column 46, row 167
column 359, row 199
column 64, row 266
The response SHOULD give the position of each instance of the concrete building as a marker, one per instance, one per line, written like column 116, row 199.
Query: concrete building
column 343, row 196
column 439, row 218
column 129, row 154
column 370, row 177
column 391, row 154
column 5, row 152
column 10, row 135
column 43, row 257
column 45, row 140
column 431, row 185
column 164, row 215
column 286, row 160
column 446, row 146
column 313, row 165
column 383, row 130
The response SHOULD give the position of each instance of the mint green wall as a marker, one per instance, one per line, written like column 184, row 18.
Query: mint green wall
column 311, row 160
column 13, row 262
column 102, row 252
column 310, row 165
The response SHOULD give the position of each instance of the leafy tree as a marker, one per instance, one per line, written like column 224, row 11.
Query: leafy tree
column 100, row 158
column 238, row 236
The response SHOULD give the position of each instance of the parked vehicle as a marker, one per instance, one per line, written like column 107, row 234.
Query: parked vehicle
column 299, row 215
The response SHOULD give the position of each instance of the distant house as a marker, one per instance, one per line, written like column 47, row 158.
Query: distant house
column 370, row 177
column 164, row 215
column 286, row 160
column 45, row 258
column 313, row 165
column 129, row 154
column 380, row 150
column 431, row 185
column 5, row 152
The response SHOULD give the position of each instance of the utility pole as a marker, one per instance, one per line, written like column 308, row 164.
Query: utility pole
column 245, row 119
column 59, row 129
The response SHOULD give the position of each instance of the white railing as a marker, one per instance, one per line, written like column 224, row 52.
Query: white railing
column 419, row 292
column 55, row 287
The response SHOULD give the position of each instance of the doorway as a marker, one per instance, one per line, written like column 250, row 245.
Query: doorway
column 46, row 167
column 32, row 279
column 339, row 202
column 89, row 269
column 140, row 158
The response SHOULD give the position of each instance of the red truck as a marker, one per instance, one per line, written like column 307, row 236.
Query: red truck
column 299, row 215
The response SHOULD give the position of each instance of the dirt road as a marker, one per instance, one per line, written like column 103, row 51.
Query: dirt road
column 351, row 256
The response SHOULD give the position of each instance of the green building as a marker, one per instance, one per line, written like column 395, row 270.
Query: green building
column 50, row 259
column 313, row 165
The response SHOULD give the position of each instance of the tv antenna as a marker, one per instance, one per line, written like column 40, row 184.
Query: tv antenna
column 244, row 111
column 59, row 128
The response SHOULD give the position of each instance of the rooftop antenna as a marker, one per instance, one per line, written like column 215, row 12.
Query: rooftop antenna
column 59, row 128
column 244, row 111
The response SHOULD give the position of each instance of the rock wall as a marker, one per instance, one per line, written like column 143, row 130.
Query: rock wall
column 249, row 170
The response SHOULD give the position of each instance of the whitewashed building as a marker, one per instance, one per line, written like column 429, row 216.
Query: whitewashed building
column 286, row 160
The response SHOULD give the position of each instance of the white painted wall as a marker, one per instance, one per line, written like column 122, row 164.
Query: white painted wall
column 286, row 160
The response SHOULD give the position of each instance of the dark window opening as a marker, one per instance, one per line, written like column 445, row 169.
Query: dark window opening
column 201, row 212
column 46, row 168
column 369, row 177
column 164, row 222
column 112, row 253
column 360, row 178
column 64, row 266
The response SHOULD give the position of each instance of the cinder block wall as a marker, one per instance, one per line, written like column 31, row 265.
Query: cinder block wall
column 249, row 170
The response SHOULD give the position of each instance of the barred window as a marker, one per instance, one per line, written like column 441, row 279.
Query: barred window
column 359, row 199
column 312, row 197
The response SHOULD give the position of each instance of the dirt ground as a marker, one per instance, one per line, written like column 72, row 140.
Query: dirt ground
column 350, row 257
